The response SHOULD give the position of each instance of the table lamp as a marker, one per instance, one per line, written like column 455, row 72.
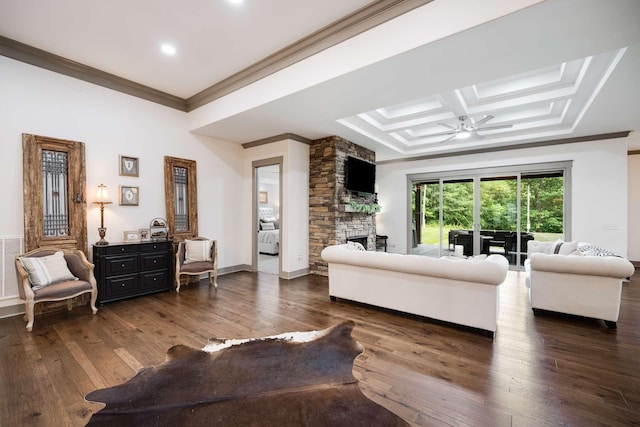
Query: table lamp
column 102, row 198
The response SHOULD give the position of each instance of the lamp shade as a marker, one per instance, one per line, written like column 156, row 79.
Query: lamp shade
column 102, row 196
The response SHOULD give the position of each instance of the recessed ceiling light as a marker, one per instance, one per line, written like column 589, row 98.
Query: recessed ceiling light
column 235, row 1
column 168, row 49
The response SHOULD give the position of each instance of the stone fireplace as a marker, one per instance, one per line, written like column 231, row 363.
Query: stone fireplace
column 330, row 220
column 363, row 240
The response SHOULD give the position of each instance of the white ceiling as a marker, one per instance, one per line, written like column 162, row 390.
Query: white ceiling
column 558, row 69
column 214, row 38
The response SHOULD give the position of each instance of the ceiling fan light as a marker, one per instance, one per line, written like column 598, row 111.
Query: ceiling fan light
column 463, row 134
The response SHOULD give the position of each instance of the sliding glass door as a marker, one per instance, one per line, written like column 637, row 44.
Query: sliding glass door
column 499, row 216
column 489, row 211
column 458, row 215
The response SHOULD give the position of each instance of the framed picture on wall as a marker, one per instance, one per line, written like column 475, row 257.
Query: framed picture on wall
column 128, row 166
column 263, row 197
column 128, row 196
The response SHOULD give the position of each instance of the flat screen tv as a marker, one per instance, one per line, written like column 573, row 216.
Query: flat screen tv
column 361, row 176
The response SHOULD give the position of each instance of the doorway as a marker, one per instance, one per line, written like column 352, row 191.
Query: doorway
column 267, row 216
column 488, row 211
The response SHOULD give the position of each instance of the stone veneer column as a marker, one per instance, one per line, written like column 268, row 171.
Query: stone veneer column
column 329, row 224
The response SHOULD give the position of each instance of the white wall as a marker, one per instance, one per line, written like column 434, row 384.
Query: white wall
column 598, row 194
column 110, row 124
column 294, row 201
column 634, row 207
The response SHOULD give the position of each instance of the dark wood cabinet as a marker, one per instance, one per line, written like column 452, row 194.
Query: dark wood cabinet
column 129, row 269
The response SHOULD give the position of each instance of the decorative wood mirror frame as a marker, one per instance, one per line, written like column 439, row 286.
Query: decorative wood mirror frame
column 65, row 203
column 180, row 183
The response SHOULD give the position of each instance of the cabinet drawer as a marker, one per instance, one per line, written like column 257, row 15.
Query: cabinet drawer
column 154, row 261
column 124, row 249
column 122, row 285
column 121, row 265
column 154, row 247
column 159, row 280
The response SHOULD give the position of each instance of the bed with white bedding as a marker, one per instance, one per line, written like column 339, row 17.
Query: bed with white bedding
column 268, row 232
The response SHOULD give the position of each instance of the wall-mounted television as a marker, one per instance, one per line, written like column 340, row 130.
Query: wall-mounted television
column 361, row 176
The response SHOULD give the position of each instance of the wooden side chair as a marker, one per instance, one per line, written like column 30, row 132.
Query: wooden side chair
column 52, row 274
column 195, row 257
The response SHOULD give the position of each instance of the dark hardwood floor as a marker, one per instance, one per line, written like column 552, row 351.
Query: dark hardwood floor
column 538, row 371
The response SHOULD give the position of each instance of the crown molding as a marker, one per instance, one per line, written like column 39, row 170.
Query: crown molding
column 612, row 135
column 276, row 138
column 28, row 54
column 351, row 25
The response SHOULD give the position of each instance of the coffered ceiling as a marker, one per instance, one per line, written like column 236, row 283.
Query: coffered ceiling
column 547, row 102
column 553, row 69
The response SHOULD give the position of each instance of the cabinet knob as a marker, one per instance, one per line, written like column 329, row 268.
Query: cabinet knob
column 155, row 246
column 155, row 278
column 155, row 260
column 122, row 249
column 123, row 265
column 122, row 284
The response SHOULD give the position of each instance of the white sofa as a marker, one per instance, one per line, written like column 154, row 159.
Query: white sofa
column 461, row 291
column 572, row 279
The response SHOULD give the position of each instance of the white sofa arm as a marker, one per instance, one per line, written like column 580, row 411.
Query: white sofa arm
column 607, row 266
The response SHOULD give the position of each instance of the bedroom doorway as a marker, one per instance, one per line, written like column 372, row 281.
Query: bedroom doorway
column 267, row 218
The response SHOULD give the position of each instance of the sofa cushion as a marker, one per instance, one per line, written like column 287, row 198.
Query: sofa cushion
column 560, row 247
column 354, row 246
column 536, row 246
column 594, row 250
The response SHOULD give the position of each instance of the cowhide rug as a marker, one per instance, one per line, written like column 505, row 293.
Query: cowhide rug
column 286, row 380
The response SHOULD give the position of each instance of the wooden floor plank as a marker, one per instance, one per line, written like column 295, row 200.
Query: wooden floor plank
column 544, row 370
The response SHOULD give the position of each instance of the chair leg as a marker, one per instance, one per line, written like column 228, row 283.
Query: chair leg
column 178, row 282
column 94, row 298
column 69, row 304
column 29, row 314
column 209, row 274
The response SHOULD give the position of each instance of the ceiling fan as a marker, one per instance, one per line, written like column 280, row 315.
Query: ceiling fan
column 466, row 128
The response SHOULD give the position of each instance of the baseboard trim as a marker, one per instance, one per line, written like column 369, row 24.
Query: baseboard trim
column 288, row 275
column 12, row 310
column 234, row 269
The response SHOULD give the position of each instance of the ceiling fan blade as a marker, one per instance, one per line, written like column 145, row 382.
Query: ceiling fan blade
column 446, row 125
column 449, row 132
column 494, row 127
column 447, row 139
column 483, row 120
